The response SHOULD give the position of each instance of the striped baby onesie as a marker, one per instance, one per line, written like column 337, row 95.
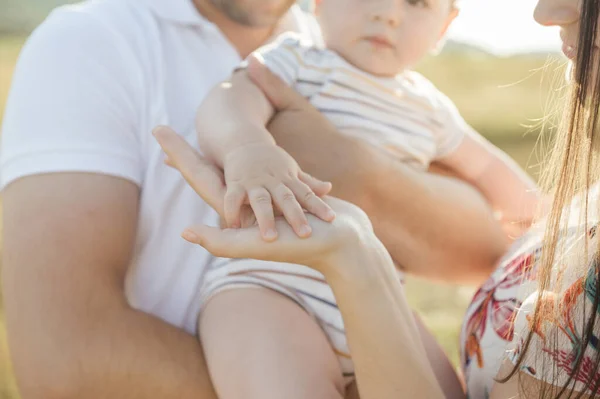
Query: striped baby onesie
column 406, row 115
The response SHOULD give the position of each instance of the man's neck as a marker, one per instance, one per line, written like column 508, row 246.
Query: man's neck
column 244, row 38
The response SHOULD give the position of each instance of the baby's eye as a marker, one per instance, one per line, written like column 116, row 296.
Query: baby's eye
column 418, row 3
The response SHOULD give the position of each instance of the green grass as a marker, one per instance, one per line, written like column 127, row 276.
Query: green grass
column 9, row 48
column 499, row 97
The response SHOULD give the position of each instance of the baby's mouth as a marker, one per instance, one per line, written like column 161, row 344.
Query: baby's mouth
column 380, row 42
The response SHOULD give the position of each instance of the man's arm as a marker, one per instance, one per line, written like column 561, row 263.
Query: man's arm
column 67, row 243
column 433, row 225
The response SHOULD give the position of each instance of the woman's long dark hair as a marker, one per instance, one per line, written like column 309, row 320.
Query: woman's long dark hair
column 574, row 168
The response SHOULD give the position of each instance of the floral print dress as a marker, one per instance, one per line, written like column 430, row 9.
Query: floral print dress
column 499, row 317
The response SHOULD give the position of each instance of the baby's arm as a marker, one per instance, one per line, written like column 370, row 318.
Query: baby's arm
column 234, row 114
column 510, row 191
column 231, row 126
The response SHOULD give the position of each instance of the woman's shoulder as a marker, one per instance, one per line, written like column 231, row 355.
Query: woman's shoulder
column 548, row 345
column 500, row 312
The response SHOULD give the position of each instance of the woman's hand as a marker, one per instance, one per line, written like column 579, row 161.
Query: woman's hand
column 379, row 324
column 330, row 245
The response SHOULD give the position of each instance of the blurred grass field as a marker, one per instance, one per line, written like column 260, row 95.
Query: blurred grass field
column 501, row 97
column 9, row 48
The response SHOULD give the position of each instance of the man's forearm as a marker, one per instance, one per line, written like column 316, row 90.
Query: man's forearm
column 125, row 354
column 433, row 226
column 67, row 244
column 149, row 359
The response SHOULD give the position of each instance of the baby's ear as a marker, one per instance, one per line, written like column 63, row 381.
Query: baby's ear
column 449, row 19
column 454, row 12
column 442, row 39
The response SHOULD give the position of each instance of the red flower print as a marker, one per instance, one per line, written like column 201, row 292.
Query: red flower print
column 499, row 313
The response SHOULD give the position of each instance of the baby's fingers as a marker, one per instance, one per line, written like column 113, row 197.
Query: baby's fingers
column 309, row 200
column 285, row 200
column 234, row 199
column 262, row 205
column 320, row 188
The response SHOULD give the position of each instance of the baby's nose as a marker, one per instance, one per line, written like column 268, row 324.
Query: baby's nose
column 387, row 11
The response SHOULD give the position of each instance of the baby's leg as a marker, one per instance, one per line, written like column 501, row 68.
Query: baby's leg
column 261, row 345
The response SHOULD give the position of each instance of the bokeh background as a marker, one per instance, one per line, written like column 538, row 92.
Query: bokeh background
column 501, row 70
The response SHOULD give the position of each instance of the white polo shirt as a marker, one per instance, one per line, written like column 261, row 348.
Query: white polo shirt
column 90, row 84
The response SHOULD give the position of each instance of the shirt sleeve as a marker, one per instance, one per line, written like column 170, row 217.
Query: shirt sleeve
column 74, row 103
column 557, row 340
column 283, row 56
column 451, row 128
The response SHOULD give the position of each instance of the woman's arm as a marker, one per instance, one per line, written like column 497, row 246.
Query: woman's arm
column 449, row 378
column 434, row 226
column 388, row 354
column 389, row 357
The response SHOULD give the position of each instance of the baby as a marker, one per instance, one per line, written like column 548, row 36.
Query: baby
column 361, row 80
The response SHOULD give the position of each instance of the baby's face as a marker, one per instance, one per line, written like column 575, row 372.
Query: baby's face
column 384, row 37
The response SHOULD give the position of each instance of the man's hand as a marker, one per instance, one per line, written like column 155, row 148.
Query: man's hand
column 265, row 176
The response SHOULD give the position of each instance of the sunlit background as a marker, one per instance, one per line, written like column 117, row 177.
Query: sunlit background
column 502, row 27
column 492, row 67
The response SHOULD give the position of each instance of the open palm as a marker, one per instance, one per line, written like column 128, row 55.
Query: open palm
column 327, row 244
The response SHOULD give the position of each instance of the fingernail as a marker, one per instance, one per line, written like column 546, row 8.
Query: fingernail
column 330, row 214
column 305, row 230
column 270, row 234
column 190, row 236
column 156, row 130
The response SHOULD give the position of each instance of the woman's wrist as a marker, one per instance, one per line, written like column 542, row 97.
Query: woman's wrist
column 380, row 327
column 363, row 264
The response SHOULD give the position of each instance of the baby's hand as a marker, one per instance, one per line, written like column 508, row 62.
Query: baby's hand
column 264, row 175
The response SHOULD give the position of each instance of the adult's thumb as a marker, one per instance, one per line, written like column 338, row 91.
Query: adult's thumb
column 281, row 96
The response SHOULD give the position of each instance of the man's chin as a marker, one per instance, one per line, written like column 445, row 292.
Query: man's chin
column 262, row 20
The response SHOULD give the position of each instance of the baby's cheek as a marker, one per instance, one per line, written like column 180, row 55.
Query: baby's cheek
column 419, row 49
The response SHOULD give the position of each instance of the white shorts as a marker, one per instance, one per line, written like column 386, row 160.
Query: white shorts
column 301, row 284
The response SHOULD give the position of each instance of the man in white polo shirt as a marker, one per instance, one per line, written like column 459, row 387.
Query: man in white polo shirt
column 101, row 293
